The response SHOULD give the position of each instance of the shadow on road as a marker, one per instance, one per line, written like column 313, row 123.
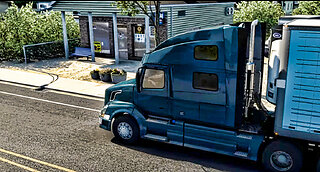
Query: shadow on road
column 205, row 159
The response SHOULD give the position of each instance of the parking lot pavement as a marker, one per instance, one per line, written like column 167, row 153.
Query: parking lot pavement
column 49, row 131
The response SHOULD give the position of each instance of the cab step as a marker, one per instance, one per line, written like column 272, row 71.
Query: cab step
column 156, row 137
column 242, row 154
column 245, row 137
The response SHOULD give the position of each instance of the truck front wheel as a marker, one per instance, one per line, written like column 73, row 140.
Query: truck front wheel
column 125, row 129
column 282, row 156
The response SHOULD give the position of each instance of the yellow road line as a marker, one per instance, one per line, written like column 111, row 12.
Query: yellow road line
column 35, row 160
column 18, row 165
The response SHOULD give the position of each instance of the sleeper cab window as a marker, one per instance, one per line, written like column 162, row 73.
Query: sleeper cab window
column 153, row 78
column 206, row 52
column 205, row 81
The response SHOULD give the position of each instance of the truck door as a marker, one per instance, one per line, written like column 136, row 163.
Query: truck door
column 209, row 80
column 153, row 97
column 199, row 84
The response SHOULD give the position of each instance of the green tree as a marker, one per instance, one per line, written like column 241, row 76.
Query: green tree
column 264, row 11
column 307, row 8
column 24, row 26
column 24, row 3
column 133, row 8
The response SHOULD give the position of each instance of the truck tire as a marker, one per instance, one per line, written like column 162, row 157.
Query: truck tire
column 125, row 129
column 282, row 156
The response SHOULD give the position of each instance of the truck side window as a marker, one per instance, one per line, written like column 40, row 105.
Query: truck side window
column 153, row 78
column 206, row 52
column 205, row 81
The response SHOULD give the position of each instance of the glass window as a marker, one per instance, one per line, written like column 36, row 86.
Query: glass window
column 205, row 81
column 153, row 78
column 206, row 52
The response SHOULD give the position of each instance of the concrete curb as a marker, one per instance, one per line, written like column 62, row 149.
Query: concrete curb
column 54, row 89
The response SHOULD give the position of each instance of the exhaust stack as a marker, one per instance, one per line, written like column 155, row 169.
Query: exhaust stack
column 250, row 69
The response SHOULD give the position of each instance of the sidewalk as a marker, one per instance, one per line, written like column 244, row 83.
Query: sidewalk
column 61, row 84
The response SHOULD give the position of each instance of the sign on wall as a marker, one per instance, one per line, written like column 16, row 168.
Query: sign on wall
column 97, row 46
column 139, row 29
column 162, row 17
column 152, row 31
column 139, row 35
column 229, row 11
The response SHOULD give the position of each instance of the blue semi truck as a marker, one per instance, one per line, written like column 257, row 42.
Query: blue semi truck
column 202, row 90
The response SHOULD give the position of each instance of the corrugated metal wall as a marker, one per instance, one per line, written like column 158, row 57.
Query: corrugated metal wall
column 196, row 15
column 3, row 6
column 302, row 102
column 98, row 8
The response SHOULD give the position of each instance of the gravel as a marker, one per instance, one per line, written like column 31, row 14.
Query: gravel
column 78, row 69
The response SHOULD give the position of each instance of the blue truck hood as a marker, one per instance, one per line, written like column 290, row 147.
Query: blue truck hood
column 126, row 88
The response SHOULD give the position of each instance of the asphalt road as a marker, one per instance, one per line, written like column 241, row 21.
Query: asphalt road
column 50, row 131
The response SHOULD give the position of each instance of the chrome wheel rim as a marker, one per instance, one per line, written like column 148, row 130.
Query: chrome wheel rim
column 125, row 130
column 281, row 161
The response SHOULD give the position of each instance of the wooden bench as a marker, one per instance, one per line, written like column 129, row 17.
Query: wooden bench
column 81, row 52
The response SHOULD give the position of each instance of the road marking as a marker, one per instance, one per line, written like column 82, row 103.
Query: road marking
column 35, row 160
column 54, row 91
column 48, row 101
column 18, row 165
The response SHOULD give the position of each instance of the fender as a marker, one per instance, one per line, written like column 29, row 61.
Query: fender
column 115, row 108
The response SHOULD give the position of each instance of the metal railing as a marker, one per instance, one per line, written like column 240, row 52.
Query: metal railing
column 47, row 50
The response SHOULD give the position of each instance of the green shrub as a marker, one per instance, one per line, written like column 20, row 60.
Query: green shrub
column 307, row 8
column 105, row 71
column 264, row 11
column 24, row 26
column 95, row 71
column 118, row 71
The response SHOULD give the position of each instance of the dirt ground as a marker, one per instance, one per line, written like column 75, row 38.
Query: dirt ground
column 78, row 69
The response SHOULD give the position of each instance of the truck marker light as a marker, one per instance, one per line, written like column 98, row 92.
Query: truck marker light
column 106, row 117
column 313, row 145
column 275, row 133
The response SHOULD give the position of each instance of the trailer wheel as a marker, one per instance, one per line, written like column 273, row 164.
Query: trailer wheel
column 318, row 164
column 282, row 156
column 125, row 129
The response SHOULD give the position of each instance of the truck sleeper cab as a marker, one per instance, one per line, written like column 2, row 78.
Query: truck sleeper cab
column 190, row 91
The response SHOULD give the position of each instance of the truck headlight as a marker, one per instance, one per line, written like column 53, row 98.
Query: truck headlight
column 103, row 113
column 105, row 116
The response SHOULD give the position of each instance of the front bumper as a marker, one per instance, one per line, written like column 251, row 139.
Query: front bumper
column 104, row 120
column 105, row 123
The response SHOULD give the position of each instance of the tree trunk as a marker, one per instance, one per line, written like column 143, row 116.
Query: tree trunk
column 157, row 27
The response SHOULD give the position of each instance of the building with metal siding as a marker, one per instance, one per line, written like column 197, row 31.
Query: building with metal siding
column 3, row 6
column 98, row 8
column 196, row 16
